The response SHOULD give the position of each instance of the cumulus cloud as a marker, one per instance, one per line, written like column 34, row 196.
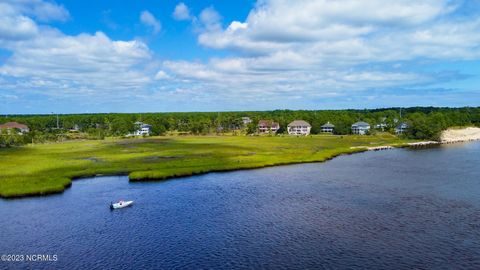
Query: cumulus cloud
column 148, row 19
column 373, row 30
column 283, row 52
column 39, row 9
column 181, row 12
column 14, row 26
column 327, row 47
column 210, row 19
column 92, row 61
column 45, row 61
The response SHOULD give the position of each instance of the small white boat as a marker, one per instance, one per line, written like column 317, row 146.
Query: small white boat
column 120, row 204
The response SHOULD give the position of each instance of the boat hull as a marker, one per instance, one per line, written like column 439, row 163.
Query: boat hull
column 121, row 205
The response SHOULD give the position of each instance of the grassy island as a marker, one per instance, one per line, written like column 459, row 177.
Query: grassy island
column 49, row 168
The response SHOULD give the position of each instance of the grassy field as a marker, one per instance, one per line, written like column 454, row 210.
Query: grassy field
column 49, row 168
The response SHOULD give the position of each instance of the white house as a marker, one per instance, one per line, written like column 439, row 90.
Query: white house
column 142, row 129
column 381, row 126
column 299, row 127
column 268, row 126
column 400, row 129
column 246, row 120
column 327, row 128
column 360, row 128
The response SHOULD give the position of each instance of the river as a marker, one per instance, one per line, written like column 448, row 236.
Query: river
column 394, row 209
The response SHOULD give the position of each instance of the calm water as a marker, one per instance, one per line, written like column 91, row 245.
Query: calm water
column 391, row 209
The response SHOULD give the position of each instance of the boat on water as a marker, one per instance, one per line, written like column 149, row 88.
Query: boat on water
column 120, row 204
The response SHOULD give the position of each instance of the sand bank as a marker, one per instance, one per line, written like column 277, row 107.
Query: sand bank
column 460, row 135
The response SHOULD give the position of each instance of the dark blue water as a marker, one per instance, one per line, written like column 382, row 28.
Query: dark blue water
column 396, row 209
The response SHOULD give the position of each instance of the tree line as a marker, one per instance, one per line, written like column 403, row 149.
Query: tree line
column 423, row 122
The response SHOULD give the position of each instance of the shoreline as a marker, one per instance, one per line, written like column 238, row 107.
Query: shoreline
column 449, row 136
column 179, row 175
column 460, row 135
column 468, row 134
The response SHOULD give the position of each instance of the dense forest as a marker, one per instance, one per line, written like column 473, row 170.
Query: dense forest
column 423, row 122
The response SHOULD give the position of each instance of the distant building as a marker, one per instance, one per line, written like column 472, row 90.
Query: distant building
column 246, row 120
column 381, row 126
column 268, row 126
column 401, row 128
column 75, row 128
column 299, row 127
column 327, row 128
column 15, row 126
column 360, row 128
column 142, row 129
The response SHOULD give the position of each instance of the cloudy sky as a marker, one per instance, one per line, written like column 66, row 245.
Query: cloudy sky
column 162, row 55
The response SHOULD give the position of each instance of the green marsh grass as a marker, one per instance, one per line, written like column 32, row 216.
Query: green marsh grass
column 49, row 168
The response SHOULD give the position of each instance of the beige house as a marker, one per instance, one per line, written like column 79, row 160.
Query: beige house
column 299, row 127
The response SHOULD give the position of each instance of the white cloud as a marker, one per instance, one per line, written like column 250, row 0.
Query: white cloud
column 91, row 61
column 161, row 75
column 320, row 45
column 46, row 11
column 41, row 10
column 43, row 60
column 372, row 30
column 326, row 48
column 281, row 51
column 148, row 19
column 14, row 26
column 210, row 19
column 181, row 12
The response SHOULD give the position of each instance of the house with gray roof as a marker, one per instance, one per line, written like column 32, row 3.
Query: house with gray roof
column 327, row 128
column 401, row 128
column 360, row 128
column 142, row 129
column 299, row 127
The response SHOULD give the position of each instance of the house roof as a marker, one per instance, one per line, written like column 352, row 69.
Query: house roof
column 299, row 123
column 13, row 125
column 268, row 123
column 328, row 125
column 361, row 124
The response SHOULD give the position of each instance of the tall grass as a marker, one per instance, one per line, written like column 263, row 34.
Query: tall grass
column 49, row 168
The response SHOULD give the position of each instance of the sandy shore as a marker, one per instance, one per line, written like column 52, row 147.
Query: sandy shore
column 460, row 135
column 448, row 136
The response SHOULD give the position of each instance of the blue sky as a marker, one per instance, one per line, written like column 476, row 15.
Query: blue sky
column 153, row 56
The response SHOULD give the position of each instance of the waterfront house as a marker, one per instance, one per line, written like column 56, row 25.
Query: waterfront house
column 246, row 120
column 142, row 129
column 327, row 128
column 15, row 126
column 268, row 126
column 401, row 128
column 299, row 127
column 360, row 128
column 382, row 125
